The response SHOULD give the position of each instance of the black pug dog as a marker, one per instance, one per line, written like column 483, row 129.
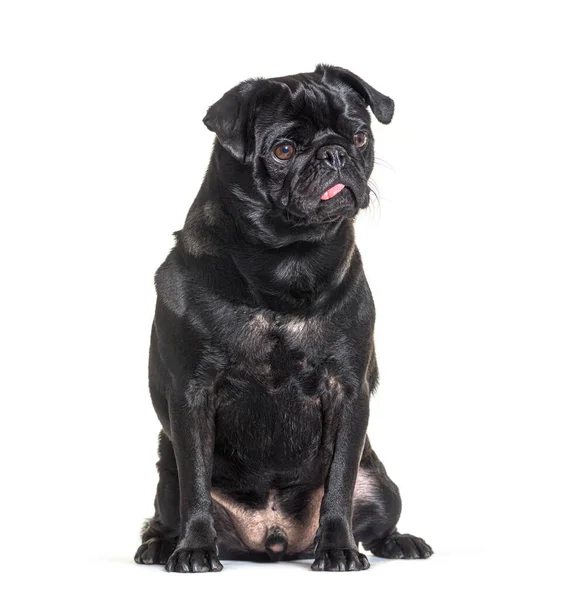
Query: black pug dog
column 262, row 360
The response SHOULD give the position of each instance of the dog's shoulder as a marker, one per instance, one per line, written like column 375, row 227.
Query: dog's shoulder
column 170, row 282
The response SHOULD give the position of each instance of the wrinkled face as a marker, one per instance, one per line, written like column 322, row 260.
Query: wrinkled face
column 306, row 139
column 314, row 151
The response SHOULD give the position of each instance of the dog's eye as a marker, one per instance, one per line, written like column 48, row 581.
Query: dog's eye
column 360, row 140
column 284, row 151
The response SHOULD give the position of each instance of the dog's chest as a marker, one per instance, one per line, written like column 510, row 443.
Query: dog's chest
column 274, row 350
column 270, row 394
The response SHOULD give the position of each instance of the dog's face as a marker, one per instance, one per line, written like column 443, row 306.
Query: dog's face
column 307, row 139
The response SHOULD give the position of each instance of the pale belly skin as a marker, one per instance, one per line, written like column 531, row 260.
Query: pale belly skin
column 253, row 526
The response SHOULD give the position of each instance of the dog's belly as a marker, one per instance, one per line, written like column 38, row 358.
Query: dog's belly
column 265, row 427
column 253, row 528
column 270, row 460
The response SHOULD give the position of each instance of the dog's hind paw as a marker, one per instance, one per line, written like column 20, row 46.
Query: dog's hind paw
column 193, row 560
column 401, row 545
column 155, row 551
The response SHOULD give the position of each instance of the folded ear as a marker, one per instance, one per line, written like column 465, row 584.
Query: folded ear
column 231, row 118
column 382, row 106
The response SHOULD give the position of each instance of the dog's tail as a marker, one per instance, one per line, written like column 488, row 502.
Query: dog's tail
column 276, row 543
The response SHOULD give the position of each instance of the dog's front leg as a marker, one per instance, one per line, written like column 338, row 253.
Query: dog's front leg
column 336, row 549
column 192, row 422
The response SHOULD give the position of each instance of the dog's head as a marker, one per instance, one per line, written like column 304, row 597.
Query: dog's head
column 307, row 139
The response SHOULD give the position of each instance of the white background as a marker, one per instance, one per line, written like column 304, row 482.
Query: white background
column 474, row 254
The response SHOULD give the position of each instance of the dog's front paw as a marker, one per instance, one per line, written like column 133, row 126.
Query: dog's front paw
column 193, row 560
column 340, row 559
column 155, row 551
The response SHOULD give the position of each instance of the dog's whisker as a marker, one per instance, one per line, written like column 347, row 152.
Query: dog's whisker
column 386, row 165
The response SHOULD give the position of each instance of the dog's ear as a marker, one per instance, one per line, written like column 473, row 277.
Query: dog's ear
column 231, row 118
column 382, row 106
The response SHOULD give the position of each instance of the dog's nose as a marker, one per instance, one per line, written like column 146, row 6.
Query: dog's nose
column 333, row 155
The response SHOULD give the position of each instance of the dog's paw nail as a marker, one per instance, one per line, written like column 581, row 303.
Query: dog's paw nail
column 318, row 565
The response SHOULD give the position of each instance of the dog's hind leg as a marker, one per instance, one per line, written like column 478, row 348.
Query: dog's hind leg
column 376, row 511
column 160, row 534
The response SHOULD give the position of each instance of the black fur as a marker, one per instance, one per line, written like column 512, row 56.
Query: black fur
column 262, row 358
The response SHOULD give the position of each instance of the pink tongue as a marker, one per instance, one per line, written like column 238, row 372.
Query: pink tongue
column 335, row 189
